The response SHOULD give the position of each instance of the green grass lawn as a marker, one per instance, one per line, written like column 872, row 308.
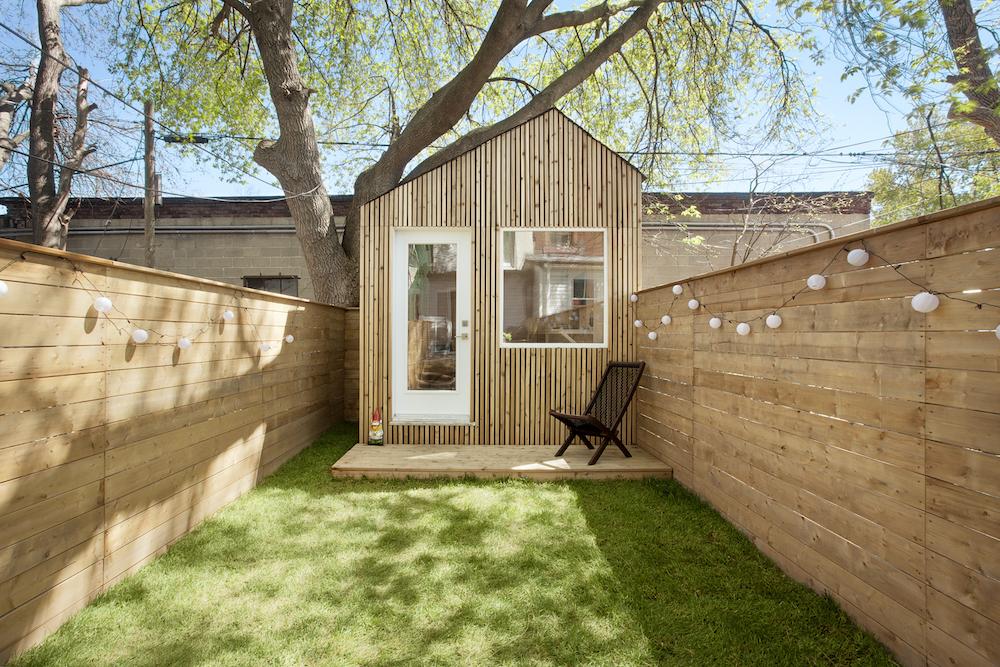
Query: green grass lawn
column 311, row 570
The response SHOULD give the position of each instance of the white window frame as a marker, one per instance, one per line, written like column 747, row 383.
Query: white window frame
column 502, row 267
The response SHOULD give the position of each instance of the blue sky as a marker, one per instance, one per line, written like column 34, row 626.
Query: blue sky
column 858, row 127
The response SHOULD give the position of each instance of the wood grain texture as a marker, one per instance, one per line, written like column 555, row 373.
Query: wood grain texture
column 546, row 173
column 110, row 451
column 857, row 445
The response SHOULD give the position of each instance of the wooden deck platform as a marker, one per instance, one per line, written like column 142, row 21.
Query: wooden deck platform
column 494, row 461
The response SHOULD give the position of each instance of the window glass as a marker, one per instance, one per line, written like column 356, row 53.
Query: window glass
column 553, row 287
column 432, row 288
column 281, row 284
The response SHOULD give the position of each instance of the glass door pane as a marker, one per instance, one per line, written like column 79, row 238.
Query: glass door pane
column 431, row 294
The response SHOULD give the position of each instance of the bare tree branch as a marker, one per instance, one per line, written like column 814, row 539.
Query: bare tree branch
column 12, row 98
column 57, row 214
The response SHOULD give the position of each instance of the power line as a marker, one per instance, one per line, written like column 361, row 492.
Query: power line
column 129, row 105
column 111, row 179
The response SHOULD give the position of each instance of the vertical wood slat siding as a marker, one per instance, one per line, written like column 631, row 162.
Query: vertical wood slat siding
column 546, row 172
column 856, row 444
column 110, row 451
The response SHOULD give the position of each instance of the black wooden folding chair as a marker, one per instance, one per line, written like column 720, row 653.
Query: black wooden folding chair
column 605, row 411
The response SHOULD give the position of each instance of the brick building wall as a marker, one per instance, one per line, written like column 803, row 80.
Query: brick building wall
column 222, row 239
column 232, row 239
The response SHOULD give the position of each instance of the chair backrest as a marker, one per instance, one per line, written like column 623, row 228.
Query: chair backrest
column 618, row 384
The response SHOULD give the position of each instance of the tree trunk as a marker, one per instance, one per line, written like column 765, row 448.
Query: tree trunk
column 294, row 158
column 975, row 78
column 41, row 163
column 514, row 21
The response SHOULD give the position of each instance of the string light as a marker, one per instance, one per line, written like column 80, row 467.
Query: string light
column 139, row 335
column 925, row 301
column 858, row 257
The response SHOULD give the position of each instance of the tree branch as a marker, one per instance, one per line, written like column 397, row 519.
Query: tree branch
column 552, row 93
column 57, row 214
column 605, row 10
column 514, row 80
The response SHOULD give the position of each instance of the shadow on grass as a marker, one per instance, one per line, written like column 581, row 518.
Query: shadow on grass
column 308, row 569
column 704, row 594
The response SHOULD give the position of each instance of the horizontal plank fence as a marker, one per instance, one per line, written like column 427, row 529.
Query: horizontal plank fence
column 858, row 444
column 111, row 450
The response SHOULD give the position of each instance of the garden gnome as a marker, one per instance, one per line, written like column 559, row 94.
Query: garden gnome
column 375, row 432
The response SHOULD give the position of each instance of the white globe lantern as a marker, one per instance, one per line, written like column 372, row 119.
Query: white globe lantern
column 634, row 298
column 743, row 328
column 228, row 315
column 773, row 321
column 816, row 281
column 678, row 289
column 264, row 347
column 998, row 331
column 184, row 343
column 715, row 323
column 3, row 288
column 102, row 304
column 637, row 323
column 652, row 335
column 140, row 336
column 925, row 302
column 289, row 338
column 693, row 304
column 665, row 319
column 857, row 257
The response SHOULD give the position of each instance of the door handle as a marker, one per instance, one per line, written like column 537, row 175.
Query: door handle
column 464, row 336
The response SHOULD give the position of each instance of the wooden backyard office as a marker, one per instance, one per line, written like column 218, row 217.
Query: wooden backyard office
column 856, row 444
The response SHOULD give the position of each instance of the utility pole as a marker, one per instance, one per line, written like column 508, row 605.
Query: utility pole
column 149, row 201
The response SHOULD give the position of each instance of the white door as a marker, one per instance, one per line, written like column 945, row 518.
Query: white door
column 431, row 307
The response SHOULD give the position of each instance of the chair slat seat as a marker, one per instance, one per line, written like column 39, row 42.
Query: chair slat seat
column 606, row 409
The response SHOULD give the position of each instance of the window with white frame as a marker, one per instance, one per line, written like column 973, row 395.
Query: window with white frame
column 553, row 286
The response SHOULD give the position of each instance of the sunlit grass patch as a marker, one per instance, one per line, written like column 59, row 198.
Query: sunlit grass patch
column 312, row 570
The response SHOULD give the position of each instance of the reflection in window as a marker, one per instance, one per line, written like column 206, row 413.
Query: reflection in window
column 431, row 292
column 553, row 287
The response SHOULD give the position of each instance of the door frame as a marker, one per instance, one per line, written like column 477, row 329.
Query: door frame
column 448, row 407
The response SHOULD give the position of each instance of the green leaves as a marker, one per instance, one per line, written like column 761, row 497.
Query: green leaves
column 698, row 74
column 938, row 164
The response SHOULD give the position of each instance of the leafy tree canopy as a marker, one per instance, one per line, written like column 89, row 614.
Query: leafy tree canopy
column 938, row 164
column 926, row 51
column 697, row 75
